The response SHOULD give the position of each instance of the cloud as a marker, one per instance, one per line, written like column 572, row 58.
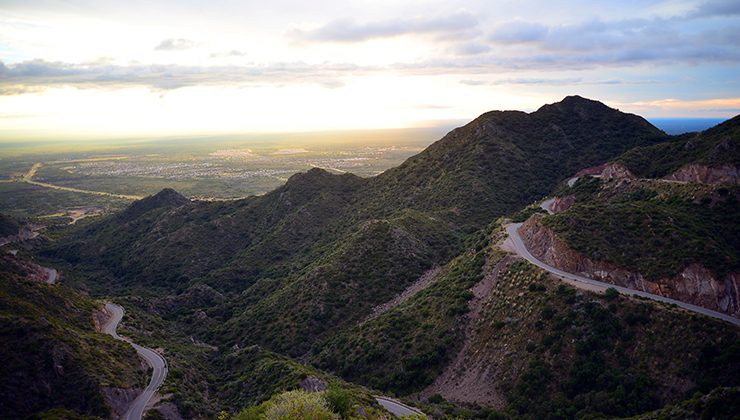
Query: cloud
column 472, row 82
column 673, row 106
column 232, row 53
column 472, row 48
column 35, row 75
column 525, row 81
column 351, row 31
column 716, row 8
column 519, row 31
column 175, row 44
column 620, row 42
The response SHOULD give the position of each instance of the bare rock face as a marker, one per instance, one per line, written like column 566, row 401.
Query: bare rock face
column 694, row 284
column 725, row 174
column 616, row 171
column 118, row 399
column 562, row 203
column 313, row 384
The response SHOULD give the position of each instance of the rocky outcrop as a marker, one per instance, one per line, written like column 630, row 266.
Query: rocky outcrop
column 562, row 203
column 313, row 384
column 24, row 233
column 616, row 171
column 725, row 174
column 28, row 269
column 694, row 284
column 118, row 399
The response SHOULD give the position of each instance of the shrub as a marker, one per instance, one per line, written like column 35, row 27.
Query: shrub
column 340, row 401
column 298, row 405
column 611, row 293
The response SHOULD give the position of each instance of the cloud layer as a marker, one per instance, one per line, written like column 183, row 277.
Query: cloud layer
column 347, row 30
column 175, row 44
column 473, row 46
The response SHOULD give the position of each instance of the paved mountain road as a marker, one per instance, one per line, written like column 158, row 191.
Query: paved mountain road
column 514, row 243
column 152, row 358
column 398, row 408
column 547, row 205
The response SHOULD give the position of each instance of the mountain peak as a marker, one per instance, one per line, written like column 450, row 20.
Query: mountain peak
column 578, row 104
column 165, row 198
column 318, row 176
column 169, row 196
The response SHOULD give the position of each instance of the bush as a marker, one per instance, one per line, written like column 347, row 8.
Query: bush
column 611, row 293
column 340, row 401
column 298, row 405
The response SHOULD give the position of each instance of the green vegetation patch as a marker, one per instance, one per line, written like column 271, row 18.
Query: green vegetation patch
column 52, row 356
column 656, row 234
column 717, row 146
column 576, row 354
column 404, row 349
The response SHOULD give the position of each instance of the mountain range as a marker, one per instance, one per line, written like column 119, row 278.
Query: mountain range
column 397, row 284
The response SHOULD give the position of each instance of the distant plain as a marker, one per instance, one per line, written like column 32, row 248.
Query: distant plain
column 212, row 168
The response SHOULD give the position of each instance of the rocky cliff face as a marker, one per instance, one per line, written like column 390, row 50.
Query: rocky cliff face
column 695, row 284
column 616, row 171
column 725, row 174
column 561, row 204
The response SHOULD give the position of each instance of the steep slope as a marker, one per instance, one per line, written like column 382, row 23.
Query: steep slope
column 298, row 269
column 499, row 162
column 502, row 161
column 712, row 156
column 678, row 240
column 52, row 356
column 532, row 346
column 8, row 226
column 366, row 269
column 170, row 242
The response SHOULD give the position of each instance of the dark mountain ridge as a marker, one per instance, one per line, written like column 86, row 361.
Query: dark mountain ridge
column 257, row 247
column 298, row 270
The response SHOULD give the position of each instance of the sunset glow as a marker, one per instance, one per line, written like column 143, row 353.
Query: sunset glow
column 99, row 69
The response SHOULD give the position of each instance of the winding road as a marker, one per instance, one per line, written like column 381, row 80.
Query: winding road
column 514, row 243
column 155, row 360
column 398, row 408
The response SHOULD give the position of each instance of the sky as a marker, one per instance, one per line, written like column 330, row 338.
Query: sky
column 110, row 69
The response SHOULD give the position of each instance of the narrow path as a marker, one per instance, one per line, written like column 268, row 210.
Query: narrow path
column 398, row 408
column 514, row 243
column 152, row 358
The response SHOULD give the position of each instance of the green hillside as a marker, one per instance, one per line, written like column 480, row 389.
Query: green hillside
column 251, row 296
column 714, row 147
column 662, row 227
column 52, row 358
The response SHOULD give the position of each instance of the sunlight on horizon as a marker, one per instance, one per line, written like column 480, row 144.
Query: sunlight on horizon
column 103, row 69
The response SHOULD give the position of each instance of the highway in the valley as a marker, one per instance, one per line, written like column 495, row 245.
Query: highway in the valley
column 155, row 360
column 28, row 178
column 515, row 243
